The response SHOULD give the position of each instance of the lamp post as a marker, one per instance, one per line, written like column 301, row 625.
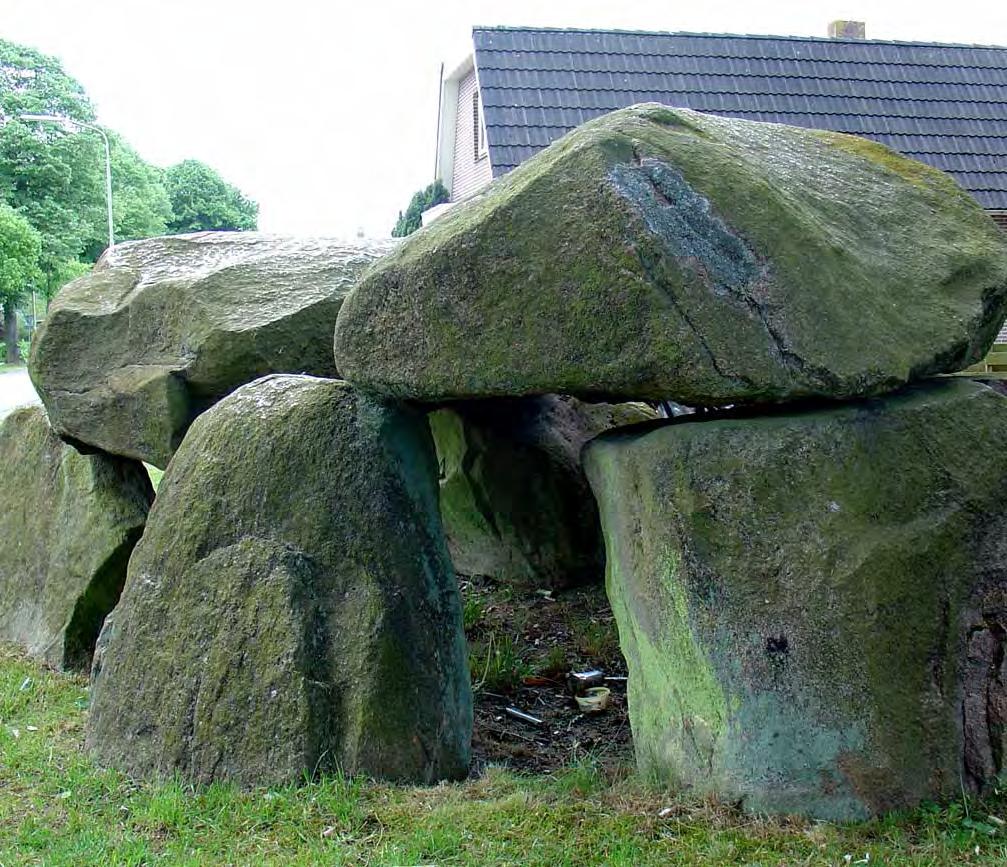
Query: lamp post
column 70, row 122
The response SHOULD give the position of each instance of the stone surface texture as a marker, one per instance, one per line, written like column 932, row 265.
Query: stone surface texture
column 292, row 607
column 813, row 604
column 131, row 353
column 658, row 253
column 68, row 524
column 515, row 502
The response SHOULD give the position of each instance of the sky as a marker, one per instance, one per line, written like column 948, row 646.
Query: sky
column 325, row 112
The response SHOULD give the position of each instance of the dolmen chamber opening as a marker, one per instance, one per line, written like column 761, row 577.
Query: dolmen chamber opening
column 808, row 571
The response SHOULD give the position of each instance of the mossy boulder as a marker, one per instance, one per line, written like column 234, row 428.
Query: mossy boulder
column 660, row 253
column 161, row 329
column 68, row 525
column 291, row 608
column 813, row 605
column 515, row 502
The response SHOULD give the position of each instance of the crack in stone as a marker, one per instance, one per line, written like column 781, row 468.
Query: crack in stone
column 700, row 239
column 984, row 705
column 652, row 272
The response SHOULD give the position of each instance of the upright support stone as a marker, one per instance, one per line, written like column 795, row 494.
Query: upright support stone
column 67, row 527
column 813, row 605
column 515, row 502
column 291, row 608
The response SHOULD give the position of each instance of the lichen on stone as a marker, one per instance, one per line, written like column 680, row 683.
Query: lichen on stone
column 68, row 528
column 798, row 596
column 291, row 609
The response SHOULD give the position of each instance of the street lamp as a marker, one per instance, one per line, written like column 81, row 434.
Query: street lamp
column 68, row 122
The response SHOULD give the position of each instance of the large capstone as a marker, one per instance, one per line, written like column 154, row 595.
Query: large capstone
column 68, row 525
column 813, row 605
column 292, row 607
column 515, row 502
column 661, row 253
column 161, row 329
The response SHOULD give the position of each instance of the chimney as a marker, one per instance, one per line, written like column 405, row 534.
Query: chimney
column 847, row 30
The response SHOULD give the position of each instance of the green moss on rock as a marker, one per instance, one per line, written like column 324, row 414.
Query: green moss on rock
column 513, row 496
column 662, row 253
column 162, row 328
column 798, row 598
column 291, row 608
column 68, row 525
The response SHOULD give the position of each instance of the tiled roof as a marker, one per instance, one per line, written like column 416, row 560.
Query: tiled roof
column 943, row 104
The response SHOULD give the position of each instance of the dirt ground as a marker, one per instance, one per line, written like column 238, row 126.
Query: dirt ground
column 522, row 646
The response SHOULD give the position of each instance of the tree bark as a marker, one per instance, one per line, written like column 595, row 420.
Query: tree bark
column 10, row 333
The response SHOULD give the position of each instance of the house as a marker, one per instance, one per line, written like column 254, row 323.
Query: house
column 522, row 88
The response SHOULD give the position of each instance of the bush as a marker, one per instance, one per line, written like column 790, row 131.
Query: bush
column 409, row 222
column 23, row 345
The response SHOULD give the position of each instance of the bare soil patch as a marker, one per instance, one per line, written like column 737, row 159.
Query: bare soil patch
column 522, row 647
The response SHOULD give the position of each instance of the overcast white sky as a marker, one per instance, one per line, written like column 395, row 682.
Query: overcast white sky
column 324, row 112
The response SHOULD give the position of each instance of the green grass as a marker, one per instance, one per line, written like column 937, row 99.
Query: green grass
column 57, row 808
column 10, row 368
column 597, row 639
column 497, row 663
column 473, row 612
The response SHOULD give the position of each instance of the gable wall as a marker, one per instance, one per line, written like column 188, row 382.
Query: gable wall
column 468, row 174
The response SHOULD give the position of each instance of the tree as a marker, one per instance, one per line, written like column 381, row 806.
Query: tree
column 142, row 208
column 54, row 176
column 140, row 204
column 52, row 179
column 202, row 200
column 429, row 196
column 31, row 82
column 20, row 247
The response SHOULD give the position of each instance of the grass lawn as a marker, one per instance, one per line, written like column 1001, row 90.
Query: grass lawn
column 57, row 808
column 10, row 368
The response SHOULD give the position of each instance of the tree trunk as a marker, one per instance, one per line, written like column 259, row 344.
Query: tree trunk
column 10, row 333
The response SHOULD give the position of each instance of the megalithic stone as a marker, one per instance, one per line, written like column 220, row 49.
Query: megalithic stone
column 515, row 502
column 813, row 604
column 660, row 253
column 292, row 607
column 67, row 527
column 162, row 328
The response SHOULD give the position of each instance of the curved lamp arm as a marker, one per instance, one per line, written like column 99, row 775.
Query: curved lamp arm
column 70, row 122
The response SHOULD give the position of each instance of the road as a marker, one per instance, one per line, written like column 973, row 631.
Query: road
column 15, row 390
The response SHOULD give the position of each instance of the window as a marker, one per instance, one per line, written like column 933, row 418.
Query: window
column 478, row 127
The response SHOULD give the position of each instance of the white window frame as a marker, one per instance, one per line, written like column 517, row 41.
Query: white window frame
column 481, row 147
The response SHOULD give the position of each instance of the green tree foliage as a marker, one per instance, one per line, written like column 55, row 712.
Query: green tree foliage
column 140, row 204
column 202, row 200
column 20, row 248
column 141, row 207
column 53, row 180
column 34, row 83
column 429, row 196
column 53, row 175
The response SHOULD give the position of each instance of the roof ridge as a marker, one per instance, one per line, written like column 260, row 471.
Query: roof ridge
column 829, row 39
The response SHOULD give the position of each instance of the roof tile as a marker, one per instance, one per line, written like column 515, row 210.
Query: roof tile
column 943, row 104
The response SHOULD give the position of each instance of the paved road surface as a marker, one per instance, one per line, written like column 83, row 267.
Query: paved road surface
column 15, row 390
